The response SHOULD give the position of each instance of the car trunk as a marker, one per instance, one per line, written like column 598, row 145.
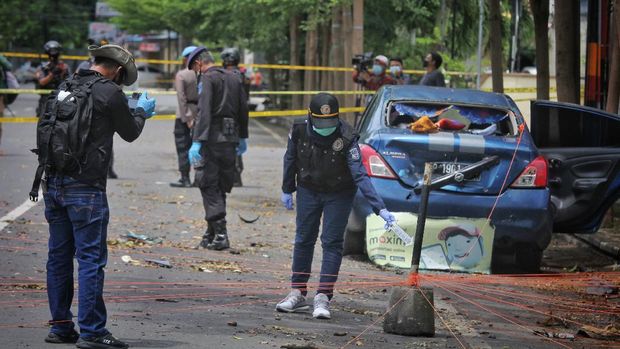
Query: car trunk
column 483, row 132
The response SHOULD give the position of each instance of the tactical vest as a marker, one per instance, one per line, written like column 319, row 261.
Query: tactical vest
column 323, row 168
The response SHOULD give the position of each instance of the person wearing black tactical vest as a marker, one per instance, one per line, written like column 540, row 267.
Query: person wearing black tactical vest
column 51, row 74
column 219, row 135
column 79, row 121
column 323, row 164
column 230, row 60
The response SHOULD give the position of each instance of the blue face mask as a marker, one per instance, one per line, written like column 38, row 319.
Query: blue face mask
column 325, row 131
column 377, row 69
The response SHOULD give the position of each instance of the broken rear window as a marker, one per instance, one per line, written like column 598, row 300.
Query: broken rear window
column 454, row 118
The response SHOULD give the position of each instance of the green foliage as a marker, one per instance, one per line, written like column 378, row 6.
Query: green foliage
column 28, row 24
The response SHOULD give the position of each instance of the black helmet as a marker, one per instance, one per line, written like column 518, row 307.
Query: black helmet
column 52, row 48
column 230, row 56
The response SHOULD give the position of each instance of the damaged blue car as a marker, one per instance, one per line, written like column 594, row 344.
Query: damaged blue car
column 518, row 193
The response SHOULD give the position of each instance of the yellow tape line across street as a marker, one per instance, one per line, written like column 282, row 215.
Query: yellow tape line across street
column 257, row 65
column 162, row 92
column 253, row 114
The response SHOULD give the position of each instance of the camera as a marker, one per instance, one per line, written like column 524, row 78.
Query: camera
column 362, row 62
column 132, row 101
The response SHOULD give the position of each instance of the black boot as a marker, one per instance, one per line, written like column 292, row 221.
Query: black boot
column 208, row 236
column 184, row 182
column 220, row 241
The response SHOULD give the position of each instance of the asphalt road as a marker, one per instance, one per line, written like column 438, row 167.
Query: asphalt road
column 214, row 299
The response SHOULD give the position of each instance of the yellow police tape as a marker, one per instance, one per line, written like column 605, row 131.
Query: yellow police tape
column 257, row 65
column 253, row 114
column 160, row 92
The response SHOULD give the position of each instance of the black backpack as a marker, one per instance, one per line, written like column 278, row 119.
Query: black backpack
column 63, row 129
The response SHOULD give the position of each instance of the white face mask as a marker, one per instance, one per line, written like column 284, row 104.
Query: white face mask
column 395, row 70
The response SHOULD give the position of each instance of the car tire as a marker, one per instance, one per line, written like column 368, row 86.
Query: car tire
column 354, row 242
column 528, row 258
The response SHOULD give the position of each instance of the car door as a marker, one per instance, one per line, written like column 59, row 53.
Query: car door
column 582, row 147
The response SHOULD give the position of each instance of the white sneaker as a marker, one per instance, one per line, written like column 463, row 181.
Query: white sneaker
column 321, row 307
column 293, row 303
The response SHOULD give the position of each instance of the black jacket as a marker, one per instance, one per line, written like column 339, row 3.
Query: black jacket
column 222, row 96
column 110, row 114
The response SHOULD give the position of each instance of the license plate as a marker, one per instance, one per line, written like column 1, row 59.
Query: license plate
column 445, row 168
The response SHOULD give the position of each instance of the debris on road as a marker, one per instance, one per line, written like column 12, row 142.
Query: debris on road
column 142, row 238
column 248, row 220
column 210, row 266
column 607, row 333
column 309, row 345
column 561, row 335
column 159, row 262
column 232, row 323
column 127, row 259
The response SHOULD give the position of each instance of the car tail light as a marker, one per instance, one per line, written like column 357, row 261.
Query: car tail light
column 534, row 175
column 374, row 163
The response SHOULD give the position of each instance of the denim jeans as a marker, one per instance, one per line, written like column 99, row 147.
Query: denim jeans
column 335, row 209
column 78, row 218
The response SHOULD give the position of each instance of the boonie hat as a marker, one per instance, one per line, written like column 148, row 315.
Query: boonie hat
column 119, row 55
column 188, row 50
column 324, row 110
column 192, row 56
column 462, row 229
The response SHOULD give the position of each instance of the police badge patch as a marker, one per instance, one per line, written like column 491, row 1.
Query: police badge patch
column 355, row 154
column 325, row 109
column 338, row 144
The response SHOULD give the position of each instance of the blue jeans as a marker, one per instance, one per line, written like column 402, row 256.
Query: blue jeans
column 335, row 209
column 78, row 218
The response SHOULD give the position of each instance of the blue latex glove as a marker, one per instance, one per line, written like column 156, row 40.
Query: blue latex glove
column 287, row 200
column 148, row 105
column 194, row 153
column 242, row 147
column 387, row 217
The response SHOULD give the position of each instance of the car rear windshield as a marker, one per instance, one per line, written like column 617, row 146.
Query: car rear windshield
column 458, row 118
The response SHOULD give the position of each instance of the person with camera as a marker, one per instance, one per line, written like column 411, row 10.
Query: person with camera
column 219, row 135
column 51, row 74
column 374, row 78
column 74, row 140
column 230, row 60
column 186, row 86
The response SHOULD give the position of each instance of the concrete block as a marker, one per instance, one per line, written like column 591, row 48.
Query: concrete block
column 413, row 315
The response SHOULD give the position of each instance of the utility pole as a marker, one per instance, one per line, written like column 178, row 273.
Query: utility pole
column 480, row 20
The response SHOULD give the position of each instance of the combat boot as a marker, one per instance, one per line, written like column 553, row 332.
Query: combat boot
column 208, row 236
column 184, row 182
column 220, row 241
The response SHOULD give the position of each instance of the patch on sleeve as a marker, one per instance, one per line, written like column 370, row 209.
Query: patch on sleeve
column 355, row 153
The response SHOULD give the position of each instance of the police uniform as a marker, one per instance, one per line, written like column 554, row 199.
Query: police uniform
column 326, row 171
column 60, row 71
column 222, row 121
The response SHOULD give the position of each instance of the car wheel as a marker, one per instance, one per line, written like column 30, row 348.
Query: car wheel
column 354, row 242
column 528, row 258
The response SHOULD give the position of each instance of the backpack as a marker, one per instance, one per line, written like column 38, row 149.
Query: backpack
column 63, row 130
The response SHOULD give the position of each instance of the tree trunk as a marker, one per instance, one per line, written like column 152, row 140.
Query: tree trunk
column 294, row 75
column 310, row 76
column 567, row 50
column 347, row 40
column 324, row 44
column 540, row 11
column 497, row 65
column 335, row 58
column 613, row 91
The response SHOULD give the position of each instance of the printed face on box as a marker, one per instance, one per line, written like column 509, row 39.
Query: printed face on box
column 464, row 250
